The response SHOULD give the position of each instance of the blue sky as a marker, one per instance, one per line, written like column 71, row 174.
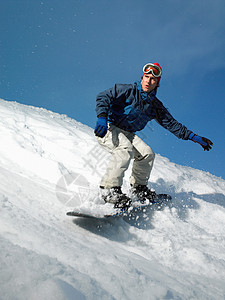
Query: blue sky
column 59, row 54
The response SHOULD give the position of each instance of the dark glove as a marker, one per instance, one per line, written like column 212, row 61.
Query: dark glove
column 101, row 127
column 204, row 142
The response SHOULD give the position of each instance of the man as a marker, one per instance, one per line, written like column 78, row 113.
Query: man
column 122, row 110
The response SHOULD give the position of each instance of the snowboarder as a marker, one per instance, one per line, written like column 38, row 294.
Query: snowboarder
column 121, row 111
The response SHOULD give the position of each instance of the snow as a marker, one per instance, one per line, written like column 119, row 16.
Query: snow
column 50, row 164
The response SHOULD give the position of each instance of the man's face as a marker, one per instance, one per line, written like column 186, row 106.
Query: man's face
column 149, row 82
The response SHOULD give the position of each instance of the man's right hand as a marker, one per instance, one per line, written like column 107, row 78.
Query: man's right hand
column 101, row 127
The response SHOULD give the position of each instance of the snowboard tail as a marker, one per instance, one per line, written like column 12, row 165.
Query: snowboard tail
column 96, row 216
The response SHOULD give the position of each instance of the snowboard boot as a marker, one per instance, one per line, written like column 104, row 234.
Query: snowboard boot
column 115, row 196
column 143, row 194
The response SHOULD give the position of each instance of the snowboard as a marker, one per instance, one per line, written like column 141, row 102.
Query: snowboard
column 160, row 201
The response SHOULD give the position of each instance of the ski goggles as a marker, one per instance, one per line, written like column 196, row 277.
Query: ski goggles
column 152, row 68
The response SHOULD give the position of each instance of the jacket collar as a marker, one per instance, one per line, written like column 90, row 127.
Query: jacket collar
column 148, row 97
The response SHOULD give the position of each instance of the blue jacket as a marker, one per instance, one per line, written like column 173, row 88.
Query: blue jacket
column 129, row 108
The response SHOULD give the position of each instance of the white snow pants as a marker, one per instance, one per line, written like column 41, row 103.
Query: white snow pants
column 124, row 146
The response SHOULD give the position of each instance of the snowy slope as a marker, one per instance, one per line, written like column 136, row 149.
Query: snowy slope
column 50, row 163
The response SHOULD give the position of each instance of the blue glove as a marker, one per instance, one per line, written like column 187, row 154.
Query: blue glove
column 204, row 142
column 101, row 127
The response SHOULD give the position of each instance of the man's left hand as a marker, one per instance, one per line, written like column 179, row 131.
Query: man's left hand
column 204, row 142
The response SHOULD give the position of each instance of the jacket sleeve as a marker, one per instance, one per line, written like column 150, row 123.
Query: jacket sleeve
column 166, row 120
column 103, row 101
column 115, row 95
